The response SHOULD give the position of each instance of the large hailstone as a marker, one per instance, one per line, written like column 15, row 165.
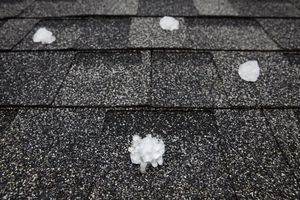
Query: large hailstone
column 169, row 23
column 249, row 71
column 44, row 36
column 148, row 150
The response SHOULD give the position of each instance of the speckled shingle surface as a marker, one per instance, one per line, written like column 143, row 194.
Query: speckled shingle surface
column 107, row 79
column 69, row 109
column 31, row 78
column 277, row 85
column 14, row 30
column 195, row 168
column 51, row 153
column 258, row 167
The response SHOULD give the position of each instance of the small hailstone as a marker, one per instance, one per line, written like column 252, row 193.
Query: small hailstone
column 148, row 150
column 169, row 23
column 44, row 36
column 249, row 71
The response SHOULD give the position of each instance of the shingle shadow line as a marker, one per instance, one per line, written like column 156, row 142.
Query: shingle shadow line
column 180, row 50
column 152, row 16
column 14, row 106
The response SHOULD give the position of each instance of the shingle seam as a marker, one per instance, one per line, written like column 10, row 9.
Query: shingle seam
column 269, row 36
column 64, row 79
column 25, row 9
column 19, row 42
column 271, row 130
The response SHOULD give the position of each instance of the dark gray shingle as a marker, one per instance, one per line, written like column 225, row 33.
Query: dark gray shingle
column 183, row 79
column 51, row 154
column 66, row 33
column 112, row 78
column 56, row 8
column 12, row 8
column 277, row 85
column 286, row 32
column 193, row 162
column 212, row 33
column 14, row 30
column 104, row 33
column 166, row 8
column 31, row 78
column 257, row 167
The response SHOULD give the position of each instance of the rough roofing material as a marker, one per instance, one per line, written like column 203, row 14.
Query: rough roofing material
column 106, row 79
column 31, row 78
column 13, row 8
column 56, row 8
column 285, row 32
column 13, row 31
column 69, row 109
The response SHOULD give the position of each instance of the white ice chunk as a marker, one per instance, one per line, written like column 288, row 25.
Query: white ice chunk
column 249, row 71
column 44, row 36
column 148, row 150
column 169, row 23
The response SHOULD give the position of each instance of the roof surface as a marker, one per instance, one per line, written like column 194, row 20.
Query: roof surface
column 68, row 110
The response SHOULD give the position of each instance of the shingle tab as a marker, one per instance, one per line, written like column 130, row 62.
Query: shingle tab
column 215, row 7
column 193, row 163
column 283, row 124
column 12, row 8
column 104, row 33
column 166, row 8
column 146, row 32
column 13, row 31
column 264, row 8
column 66, row 33
column 256, row 165
column 107, row 79
column 277, row 85
column 286, row 32
column 212, row 33
column 183, row 79
column 55, row 8
column 31, row 78
column 51, row 154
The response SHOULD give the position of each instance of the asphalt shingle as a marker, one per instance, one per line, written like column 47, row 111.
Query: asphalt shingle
column 264, row 8
column 257, row 167
column 193, row 162
column 51, row 154
column 12, row 8
column 277, row 85
column 146, row 32
column 56, row 8
column 286, row 32
column 13, row 31
column 104, row 33
column 215, row 7
column 112, row 78
column 166, row 7
column 31, row 78
column 283, row 124
column 183, row 79
column 66, row 33
column 213, row 33
column 6, row 117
